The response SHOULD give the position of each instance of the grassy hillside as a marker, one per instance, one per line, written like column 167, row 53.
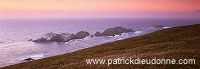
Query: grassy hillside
column 178, row 42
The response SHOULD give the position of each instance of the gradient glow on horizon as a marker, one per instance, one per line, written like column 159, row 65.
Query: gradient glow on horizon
column 99, row 8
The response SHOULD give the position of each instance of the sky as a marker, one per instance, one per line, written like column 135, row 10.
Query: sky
column 99, row 9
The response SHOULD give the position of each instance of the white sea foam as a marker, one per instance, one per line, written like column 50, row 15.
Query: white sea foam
column 35, row 57
column 138, row 32
column 166, row 27
column 38, row 56
column 117, row 35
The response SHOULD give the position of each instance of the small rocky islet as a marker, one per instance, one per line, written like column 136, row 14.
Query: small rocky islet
column 113, row 31
column 65, row 37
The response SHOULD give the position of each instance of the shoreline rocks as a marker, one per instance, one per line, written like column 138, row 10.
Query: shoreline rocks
column 63, row 37
column 30, row 40
column 81, row 34
column 29, row 59
column 113, row 31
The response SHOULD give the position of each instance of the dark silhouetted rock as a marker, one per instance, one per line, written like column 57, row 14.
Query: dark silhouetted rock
column 29, row 59
column 30, row 40
column 48, row 36
column 40, row 40
column 97, row 33
column 81, row 34
column 45, row 37
column 159, row 26
column 57, row 38
column 63, row 37
column 113, row 31
column 92, row 36
column 72, row 37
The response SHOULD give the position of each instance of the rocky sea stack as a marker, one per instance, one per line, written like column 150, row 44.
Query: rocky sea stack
column 113, row 31
column 63, row 37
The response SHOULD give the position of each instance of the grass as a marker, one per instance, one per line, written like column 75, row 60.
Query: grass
column 175, row 43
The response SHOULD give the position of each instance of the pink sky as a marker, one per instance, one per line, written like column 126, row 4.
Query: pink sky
column 99, row 8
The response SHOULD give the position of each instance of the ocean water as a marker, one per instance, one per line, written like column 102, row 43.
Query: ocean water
column 15, row 33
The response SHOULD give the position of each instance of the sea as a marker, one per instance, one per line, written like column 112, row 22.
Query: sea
column 16, row 33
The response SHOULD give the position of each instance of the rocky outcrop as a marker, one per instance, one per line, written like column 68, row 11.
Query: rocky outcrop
column 113, row 31
column 92, row 36
column 45, row 37
column 81, row 34
column 97, row 34
column 29, row 59
column 30, row 40
column 40, row 40
column 63, row 37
